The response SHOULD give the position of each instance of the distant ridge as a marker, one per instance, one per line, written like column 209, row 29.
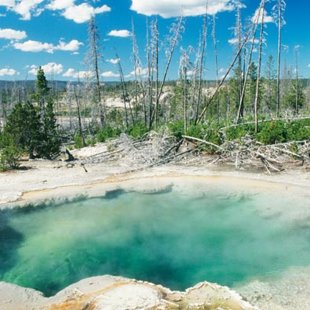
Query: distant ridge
column 30, row 84
column 60, row 85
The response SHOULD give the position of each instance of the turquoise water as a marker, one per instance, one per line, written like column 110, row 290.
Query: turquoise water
column 164, row 238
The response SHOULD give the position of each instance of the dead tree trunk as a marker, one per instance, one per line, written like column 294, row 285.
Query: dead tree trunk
column 261, row 15
column 216, row 64
column 296, row 80
column 280, row 21
column 78, row 105
column 94, row 58
column 203, row 48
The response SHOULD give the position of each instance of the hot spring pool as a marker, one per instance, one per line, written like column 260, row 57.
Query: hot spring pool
column 166, row 238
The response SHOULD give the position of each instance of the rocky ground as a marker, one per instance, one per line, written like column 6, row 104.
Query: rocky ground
column 116, row 293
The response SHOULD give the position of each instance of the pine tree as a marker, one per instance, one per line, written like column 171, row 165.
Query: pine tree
column 50, row 144
column 42, row 90
column 251, row 87
column 23, row 127
column 294, row 97
column 270, row 95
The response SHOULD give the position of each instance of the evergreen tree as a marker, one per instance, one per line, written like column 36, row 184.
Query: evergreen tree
column 42, row 90
column 294, row 95
column 30, row 129
column 270, row 94
column 49, row 146
column 234, row 88
column 251, row 87
column 23, row 127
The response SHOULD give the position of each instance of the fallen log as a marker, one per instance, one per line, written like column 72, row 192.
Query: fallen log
column 203, row 141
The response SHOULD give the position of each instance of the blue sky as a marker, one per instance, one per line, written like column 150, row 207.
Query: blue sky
column 53, row 34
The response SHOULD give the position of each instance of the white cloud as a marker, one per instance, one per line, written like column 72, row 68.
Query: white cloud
column 25, row 8
column 72, row 46
column 60, row 4
column 12, row 34
column 113, row 61
column 7, row 3
column 78, row 13
column 142, row 72
column 309, row 66
column 102, row 9
column 110, row 74
column 173, row 8
column 8, row 72
column 72, row 73
column 119, row 33
column 235, row 41
column 258, row 17
column 50, row 68
column 36, row 46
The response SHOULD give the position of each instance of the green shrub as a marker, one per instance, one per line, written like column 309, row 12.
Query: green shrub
column 196, row 131
column 272, row 132
column 9, row 157
column 106, row 133
column 176, row 129
column 78, row 141
column 91, row 141
column 299, row 130
column 238, row 132
column 137, row 130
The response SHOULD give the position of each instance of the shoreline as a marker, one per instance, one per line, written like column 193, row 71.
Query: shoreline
column 40, row 183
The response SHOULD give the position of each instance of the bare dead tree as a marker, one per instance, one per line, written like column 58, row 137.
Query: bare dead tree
column 93, row 60
column 125, row 95
column 245, row 41
column 76, row 90
column 296, row 50
column 238, row 35
column 201, row 61
column 139, row 83
column 245, row 80
column 156, row 63
column 261, row 14
column 278, row 13
column 183, row 69
column 152, row 55
column 216, row 61
column 176, row 31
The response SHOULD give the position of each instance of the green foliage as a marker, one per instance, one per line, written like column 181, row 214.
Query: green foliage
column 9, row 153
column 91, row 141
column 50, row 142
column 237, row 132
column 9, row 157
column 272, row 132
column 78, row 141
column 42, row 88
column 24, row 127
column 31, row 134
column 299, row 130
column 137, row 130
column 177, row 129
column 294, row 97
column 106, row 133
